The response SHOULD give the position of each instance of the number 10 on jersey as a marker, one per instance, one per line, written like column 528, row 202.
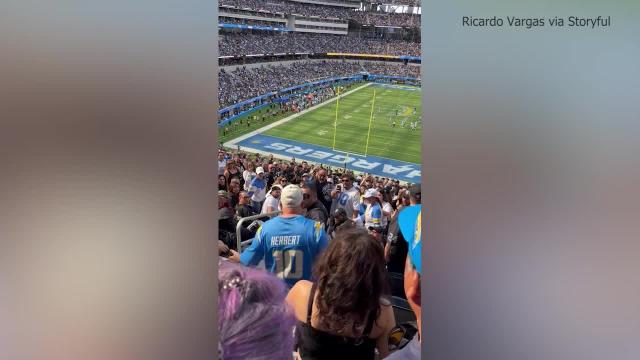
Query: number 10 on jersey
column 288, row 263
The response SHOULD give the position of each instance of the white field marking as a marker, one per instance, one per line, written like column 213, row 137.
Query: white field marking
column 322, row 132
column 232, row 143
column 357, row 172
column 347, row 116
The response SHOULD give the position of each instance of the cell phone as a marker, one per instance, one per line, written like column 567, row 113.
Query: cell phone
column 339, row 187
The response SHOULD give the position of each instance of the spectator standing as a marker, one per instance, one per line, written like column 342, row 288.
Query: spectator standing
column 244, row 208
column 231, row 170
column 395, row 250
column 222, row 162
column 373, row 211
column 234, row 191
column 258, row 190
column 290, row 243
column 410, row 226
column 248, row 175
column 346, row 196
column 324, row 188
column 272, row 201
column 387, row 209
column 315, row 210
column 339, row 222
column 343, row 314
column 222, row 182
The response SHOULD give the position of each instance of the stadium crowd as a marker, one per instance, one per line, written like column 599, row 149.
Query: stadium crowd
column 232, row 20
column 295, row 42
column 386, row 19
column 290, row 7
column 244, row 83
column 338, row 226
column 326, row 11
column 392, row 69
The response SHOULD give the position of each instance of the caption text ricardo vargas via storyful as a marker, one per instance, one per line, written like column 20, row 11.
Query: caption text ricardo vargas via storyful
column 529, row 23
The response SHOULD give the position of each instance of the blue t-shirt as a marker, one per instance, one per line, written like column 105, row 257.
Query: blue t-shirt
column 258, row 189
column 289, row 246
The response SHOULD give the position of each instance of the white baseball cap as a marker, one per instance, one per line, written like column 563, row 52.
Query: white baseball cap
column 259, row 170
column 371, row 193
column 291, row 196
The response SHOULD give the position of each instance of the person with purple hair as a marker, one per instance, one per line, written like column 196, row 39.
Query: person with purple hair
column 254, row 321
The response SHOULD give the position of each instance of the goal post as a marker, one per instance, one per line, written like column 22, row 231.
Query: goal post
column 366, row 147
column 335, row 128
column 335, row 123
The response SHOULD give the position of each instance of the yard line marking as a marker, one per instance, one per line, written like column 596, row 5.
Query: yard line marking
column 233, row 142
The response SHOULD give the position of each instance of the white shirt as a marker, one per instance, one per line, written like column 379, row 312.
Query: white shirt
column 386, row 207
column 349, row 200
column 248, row 176
column 221, row 164
column 270, row 201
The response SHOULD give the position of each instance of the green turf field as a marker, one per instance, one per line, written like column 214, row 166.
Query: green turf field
column 354, row 110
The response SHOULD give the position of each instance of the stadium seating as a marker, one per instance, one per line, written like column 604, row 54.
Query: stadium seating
column 245, row 83
column 266, row 42
column 326, row 11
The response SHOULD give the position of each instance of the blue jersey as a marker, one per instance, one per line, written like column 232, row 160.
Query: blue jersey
column 289, row 246
column 373, row 215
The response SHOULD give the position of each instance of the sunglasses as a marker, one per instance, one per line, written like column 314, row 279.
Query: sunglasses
column 306, row 196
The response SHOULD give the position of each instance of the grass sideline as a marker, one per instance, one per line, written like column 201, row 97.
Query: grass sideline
column 243, row 129
column 354, row 110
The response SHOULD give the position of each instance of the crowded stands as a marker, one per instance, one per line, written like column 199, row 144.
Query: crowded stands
column 245, row 83
column 372, row 228
column 327, row 11
column 290, row 7
column 239, row 170
column 293, row 42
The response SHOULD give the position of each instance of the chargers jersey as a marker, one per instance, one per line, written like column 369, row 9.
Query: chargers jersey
column 289, row 247
column 373, row 215
column 349, row 200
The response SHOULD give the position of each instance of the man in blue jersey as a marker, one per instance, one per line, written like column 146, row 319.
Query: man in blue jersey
column 288, row 243
column 258, row 190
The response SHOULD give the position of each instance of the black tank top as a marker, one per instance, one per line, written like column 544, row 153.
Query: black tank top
column 314, row 344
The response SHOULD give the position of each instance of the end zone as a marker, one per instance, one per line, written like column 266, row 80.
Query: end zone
column 286, row 149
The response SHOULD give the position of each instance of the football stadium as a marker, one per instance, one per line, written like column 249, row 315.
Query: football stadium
column 319, row 122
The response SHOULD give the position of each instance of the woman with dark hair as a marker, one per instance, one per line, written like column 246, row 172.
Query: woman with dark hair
column 222, row 182
column 345, row 313
column 254, row 321
column 232, row 170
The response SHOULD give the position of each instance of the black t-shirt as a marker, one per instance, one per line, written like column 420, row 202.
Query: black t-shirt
column 397, row 247
column 318, row 212
column 233, row 200
column 245, row 211
column 324, row 193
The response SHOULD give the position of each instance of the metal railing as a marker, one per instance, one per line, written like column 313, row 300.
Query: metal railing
column 239, row 241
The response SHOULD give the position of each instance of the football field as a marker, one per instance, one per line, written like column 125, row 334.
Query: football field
column 393, row 113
